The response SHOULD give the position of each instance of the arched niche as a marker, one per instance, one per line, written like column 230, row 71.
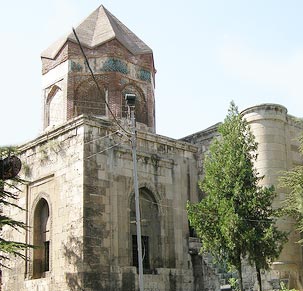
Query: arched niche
column 141, row 112
column 55, row 113
column 41, row 239
column 150, row 231
column 89, row 99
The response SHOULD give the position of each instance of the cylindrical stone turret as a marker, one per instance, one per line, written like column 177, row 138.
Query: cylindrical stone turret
column 277, row 135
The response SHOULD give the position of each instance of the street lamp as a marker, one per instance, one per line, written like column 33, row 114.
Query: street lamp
column 130, row 101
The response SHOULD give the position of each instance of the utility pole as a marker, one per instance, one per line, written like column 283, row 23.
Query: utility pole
column 130, row 101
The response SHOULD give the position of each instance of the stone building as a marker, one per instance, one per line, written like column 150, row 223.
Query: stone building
column 277, row 134
column 79, row 200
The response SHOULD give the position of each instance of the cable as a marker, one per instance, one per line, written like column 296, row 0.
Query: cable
column 102, row 137
column 115, row 145
column 94, row 78
column 184, row 210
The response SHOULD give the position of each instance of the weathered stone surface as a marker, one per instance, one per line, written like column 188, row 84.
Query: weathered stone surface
column 81, row 167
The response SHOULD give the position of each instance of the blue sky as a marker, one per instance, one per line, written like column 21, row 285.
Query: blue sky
column 206, row 53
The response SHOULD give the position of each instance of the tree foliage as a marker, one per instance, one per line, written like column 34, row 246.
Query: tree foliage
column 265, row 239
column 293, row 181
column 235, row 219
column 8, row 199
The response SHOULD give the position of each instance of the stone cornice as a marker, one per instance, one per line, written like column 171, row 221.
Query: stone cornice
column 82, row 120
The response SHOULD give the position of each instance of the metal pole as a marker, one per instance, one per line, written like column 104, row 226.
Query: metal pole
column 138, row 219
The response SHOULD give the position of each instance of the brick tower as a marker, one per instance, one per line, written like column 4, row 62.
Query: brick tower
column 120, row 61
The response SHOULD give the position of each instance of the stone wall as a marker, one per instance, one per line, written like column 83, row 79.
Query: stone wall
column 84, row 171
column 166, row 170
column 53, row 167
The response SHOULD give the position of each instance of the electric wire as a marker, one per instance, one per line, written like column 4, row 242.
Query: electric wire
column 102, row 137
column 141, row 198
column 184, row 210
column 160, row 205
column 104, row 150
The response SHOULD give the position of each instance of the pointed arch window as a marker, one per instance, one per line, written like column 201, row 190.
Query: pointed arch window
column 89, row 100
column 150, row 230
column 54, row 107
column 41, row 259
column 141, row 112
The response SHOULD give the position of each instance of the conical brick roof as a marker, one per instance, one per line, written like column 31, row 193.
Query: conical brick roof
column 98, row 28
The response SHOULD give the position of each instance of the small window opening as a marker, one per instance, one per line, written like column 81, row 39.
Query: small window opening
column 145, row 252
column 46, row 256
column 41, row 258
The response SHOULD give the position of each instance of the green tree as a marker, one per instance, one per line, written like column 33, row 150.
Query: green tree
column 293, row 181
column 8, row 199
column 230, row 220
column 265, row 239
